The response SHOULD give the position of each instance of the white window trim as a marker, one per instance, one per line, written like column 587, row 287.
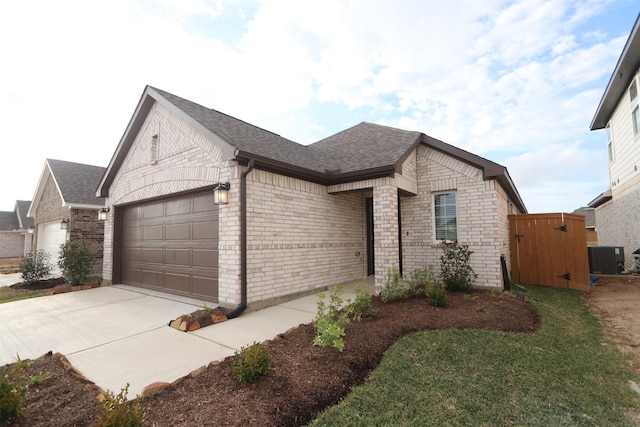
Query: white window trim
column 433, row 212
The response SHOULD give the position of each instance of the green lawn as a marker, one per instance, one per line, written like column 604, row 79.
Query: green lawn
column 565, row 374
column 12, row 298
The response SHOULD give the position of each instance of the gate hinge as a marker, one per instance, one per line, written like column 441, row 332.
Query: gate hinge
column 566, row 276
column 561, row 228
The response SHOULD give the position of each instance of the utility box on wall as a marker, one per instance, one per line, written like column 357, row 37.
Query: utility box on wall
column 605, row 259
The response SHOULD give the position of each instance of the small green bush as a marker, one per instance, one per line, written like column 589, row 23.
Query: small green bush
column 393, row 289
column 117, row 411
column 455, row 267
column 419, row 280
column 362, row 306
column 12, row 397
column 35, row 266
column 331, row 319
column 252, row 362
column 75, row 261
column 14, row 381
column 436, row 295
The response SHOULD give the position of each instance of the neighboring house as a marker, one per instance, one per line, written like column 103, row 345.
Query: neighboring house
column 16, row 231
column 297, row 218
column 589, row 215
column 65, row 208
column 619, row 115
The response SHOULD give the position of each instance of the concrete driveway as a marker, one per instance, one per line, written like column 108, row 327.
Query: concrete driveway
column 10, row 279
column 118, row 334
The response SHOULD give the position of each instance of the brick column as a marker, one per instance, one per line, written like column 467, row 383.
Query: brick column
column 385, row 230
column 229, row 244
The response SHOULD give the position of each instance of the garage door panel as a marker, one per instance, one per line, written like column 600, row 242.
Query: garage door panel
column 132, row 254
column 204, row 203
column 153, row 278
column 153, row 210
column 153, row 233
column 203, row 286
column 180, row 282
column 178, row 231
column 172, row 245
column 205, row 258
column 131, row 276
column 180, row 257
column 205, row 230
column 153, row 256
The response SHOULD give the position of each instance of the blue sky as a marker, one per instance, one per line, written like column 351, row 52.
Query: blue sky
column 516, row 82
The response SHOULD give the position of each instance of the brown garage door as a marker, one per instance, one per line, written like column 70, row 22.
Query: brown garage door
column 172, row 245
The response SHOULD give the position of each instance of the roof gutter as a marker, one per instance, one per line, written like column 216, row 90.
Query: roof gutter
column 243, row 243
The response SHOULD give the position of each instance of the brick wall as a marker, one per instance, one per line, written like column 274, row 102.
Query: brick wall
column 482, row 208
column 85, row 227
column 618, row 220
column 300, row 237
column 11, row 244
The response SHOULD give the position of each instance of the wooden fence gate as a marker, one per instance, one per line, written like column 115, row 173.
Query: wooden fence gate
column 549, row 250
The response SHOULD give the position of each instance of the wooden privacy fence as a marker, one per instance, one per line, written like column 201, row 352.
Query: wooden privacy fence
column 550, row 250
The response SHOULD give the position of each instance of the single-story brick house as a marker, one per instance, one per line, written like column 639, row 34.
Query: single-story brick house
column 16, row 231
column 298, row 218
column 65, row 208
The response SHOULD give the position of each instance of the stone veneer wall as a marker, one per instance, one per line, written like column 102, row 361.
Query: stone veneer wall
column 84, row 226
column 49, row 207
column 482, row 208
column 618, row 220
column 300, row 237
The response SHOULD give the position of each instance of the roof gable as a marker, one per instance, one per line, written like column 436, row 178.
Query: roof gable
column 76, row 184
column 22, row 208
column 363, row 151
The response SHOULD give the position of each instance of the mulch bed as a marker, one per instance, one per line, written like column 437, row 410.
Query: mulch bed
column 41, row 284
column 304, row 379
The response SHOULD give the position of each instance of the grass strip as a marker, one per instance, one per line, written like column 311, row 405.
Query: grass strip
column 4, row 299
column 567, row 373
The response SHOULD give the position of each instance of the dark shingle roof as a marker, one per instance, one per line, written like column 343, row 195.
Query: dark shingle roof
column 77, row 182
column 22, row 207
column 247, row 137
column 8, row 221
column 589, row 216
column 364, row 146
column 364, row 151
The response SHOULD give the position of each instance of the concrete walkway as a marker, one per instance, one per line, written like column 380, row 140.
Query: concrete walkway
column 10, row 279
column 118, row 334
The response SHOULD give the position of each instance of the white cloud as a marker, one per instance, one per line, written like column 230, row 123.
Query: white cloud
column 495, row 77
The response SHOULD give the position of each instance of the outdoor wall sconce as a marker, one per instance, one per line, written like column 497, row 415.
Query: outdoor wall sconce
column 102, row 214
column 64, row 224
column 221, row 193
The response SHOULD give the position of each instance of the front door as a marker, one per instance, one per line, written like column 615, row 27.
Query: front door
column 370, row 252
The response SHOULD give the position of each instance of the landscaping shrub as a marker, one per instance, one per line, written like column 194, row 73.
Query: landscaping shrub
column 393, row 289
column 436, row 295
column 331, row 319
column 35, row 267
column 117, row 411
column 12, row 397
column 455, row 267
column 13, row 389
column 252, row 362
column 419, row 280
column 362, row 306
column 75, row 261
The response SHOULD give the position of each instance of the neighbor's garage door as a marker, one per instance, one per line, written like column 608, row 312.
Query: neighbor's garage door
column 172, row 245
